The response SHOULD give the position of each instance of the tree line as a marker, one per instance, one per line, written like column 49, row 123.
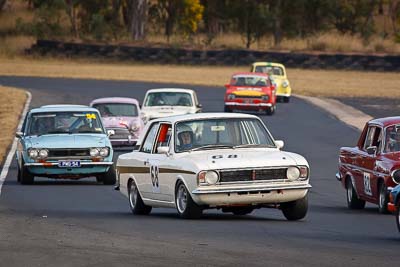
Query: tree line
column 253, row 19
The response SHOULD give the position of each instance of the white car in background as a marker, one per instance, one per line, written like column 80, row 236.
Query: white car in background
column 213, row 160
column 164, row 102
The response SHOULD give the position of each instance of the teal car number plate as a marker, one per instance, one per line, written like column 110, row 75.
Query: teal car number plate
column 69, row 163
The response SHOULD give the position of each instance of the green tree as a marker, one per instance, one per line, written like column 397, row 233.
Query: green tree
column 190, row 16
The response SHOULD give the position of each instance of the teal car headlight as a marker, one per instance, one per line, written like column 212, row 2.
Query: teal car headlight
column 104, row 151
column 94, row 152
column 33, row 153
column 43, row 153
column 99, row 152
column 38, row 153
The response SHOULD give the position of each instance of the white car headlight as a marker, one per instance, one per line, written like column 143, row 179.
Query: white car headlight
column 104, row 151
column 33, row 153
column 293, row 173
column 285, row 84
column 43, row 153
column 94, row 152
column 208, row 177
column 212, row 177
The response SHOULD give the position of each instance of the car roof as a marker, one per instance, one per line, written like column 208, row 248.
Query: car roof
column 265, row 75
column 60, row 108
column 385, row 121
column 126, row 100
column 180, row 90
column 205, row 115
column 268, row 64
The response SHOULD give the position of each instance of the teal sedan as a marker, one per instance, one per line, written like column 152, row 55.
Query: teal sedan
column 65, row 142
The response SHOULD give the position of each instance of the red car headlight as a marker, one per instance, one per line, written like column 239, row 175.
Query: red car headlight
column 265, row 97
column 231, row 97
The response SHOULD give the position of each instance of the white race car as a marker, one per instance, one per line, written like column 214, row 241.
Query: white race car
column 163, row 102
column 213, row 160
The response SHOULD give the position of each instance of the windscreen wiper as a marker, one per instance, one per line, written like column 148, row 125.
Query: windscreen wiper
column 210, row 147
column 254, row 145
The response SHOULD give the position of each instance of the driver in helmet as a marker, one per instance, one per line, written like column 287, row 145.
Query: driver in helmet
column 394, row 140
column 185, row 137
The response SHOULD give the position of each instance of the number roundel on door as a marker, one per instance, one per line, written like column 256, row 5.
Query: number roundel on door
column 154, row 178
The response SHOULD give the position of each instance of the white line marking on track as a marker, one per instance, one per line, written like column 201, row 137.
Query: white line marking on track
column 7, row 163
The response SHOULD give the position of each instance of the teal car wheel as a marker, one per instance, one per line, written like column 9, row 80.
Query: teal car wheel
column 24, row 176
column 108, row 178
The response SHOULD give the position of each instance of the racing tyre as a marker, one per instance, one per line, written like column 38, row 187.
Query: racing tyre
column 242, row 211
column 185, row 205
column 271, row 110
column 398, row 215
column 24, row 176
column 109, row 177
column 295, row 210
column 286, row 99
column 353, row 202
column 383, row 198
column 135, row 200
column 226, row 109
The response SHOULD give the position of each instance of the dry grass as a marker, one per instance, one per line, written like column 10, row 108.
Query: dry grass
column 14, row 9
column 328, row 42
column 12, row 101
column 327, row 83
column 12, row 46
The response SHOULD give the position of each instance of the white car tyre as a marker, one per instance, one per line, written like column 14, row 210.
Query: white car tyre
column 185, row 205
column 135, row 200
column 295, row 210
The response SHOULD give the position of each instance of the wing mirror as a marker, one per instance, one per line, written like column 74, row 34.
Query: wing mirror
column 163, row 150
column 371, row 150
column 19, row 134
column 199, row 105
column 279, row 144
column 110, row 133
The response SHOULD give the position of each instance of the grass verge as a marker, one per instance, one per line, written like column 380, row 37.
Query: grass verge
column 325, row 83
column 12, row 101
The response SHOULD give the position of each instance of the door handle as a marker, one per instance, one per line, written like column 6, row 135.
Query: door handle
column 146, row 162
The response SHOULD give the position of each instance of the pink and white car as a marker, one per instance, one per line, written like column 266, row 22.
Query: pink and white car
column 122, row 115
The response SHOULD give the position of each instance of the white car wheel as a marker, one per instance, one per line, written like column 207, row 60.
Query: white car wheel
column 181, row 199
column 135, row 200
column 185, row 205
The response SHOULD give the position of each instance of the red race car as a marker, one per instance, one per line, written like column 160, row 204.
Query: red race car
column 369, row 171
column 252, row 92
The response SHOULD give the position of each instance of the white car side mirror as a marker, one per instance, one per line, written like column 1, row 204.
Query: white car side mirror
column 163, row 150
column 110, row 133
column 279, row 144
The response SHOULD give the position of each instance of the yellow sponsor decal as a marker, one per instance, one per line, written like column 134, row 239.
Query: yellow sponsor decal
column 248, row 93
column 90, row 116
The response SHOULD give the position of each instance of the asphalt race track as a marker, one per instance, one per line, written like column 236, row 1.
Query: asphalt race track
column 81, row 223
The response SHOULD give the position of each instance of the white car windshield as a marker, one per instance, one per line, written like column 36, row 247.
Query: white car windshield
column 64, row 123
column 117, row 109
column 249, row 81
column 271, row 70
column 221, row 133
column 168, row 99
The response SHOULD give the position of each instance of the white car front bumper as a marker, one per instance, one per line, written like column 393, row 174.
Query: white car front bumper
column 254, row 194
